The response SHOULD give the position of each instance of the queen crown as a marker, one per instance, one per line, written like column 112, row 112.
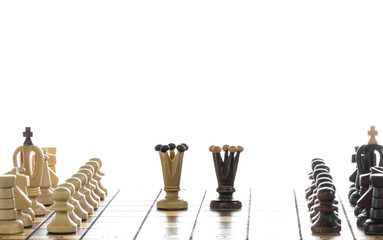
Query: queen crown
column 171, row 163
column 226, row 169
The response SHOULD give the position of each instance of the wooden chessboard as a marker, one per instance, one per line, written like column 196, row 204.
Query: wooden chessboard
column 263, row 216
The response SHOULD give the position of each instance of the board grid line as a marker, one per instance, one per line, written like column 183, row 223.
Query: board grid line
column 248, row 217
column 298, row 218
column 146, row 216
column 348, row 220
column 94, row 221
column 196, row 218
column 39, row 226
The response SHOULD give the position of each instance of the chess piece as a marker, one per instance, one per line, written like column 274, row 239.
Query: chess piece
column 321, row 179
column 374, row 225
column 80, row 197
column 45, row 197
column 97, row 178
column 318, row 166
column 97, row 190
column 84, row 190
column 73, row 216
column 326, row 221
column 226, row 171
column 52, row 161
column 78, row 210
column 22, row 182
column 317, row 171
column 61, row 222
column 363, row 206
column 99, row 173
column 313, row 197
column 353, row 176
column 22, row 202
column 34, row 171
column 315, row 162
column 315, row 213
column 171, row 169
column 367, row 161
column 365, row 182
column 89, row 184
column 8, row 222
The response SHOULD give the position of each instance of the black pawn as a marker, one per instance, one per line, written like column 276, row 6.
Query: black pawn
column 310, row 190
column 327, row 220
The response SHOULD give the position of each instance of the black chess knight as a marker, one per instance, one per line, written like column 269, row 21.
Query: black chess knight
column 226, row 170
column 365, row 159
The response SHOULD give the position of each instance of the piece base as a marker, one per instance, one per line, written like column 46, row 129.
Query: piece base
column 326, row 229
column 61, row 229
column 11, row 227
column 39, row 210
column 373, row 228
column 46, row 200
column 26, row 219
column 172, row 204
column 225, row 205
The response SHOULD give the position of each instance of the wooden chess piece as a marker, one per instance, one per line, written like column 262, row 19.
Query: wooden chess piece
column 318, row 179
column 171, row 169
column 353, row 176
column 89, row 184
column 315, row 216
column 318, row 166
column 73, row 216
column 78, row 210
column 22, row 202
column 317, row 171
column 84, row 190
column 326, row 222
column 315, row 162
column 22, row 182
column 226, row 171
column 80, row 197
column 34, row 171
column 8, row 222
column 45, row 197
column 374, row 225
column 97, row 190
column 313, row 197
column 97, row 178
column 365, row 159
column 61, row 222
column 363, row 206
column 99, row 173
column 52, row 161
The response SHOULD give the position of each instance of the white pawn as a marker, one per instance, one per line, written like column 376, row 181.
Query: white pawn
column 97, row 190
column 96, row 176
column 84, row 190
column 8, row 222
column 80, row 197
column 61, row 223
column 79, row 212
column 101, row 174
column 89, row 185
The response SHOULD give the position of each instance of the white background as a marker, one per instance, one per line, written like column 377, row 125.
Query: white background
column 287, row 80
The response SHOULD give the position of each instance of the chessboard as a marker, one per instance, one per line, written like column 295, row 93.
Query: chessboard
column 124, row 215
